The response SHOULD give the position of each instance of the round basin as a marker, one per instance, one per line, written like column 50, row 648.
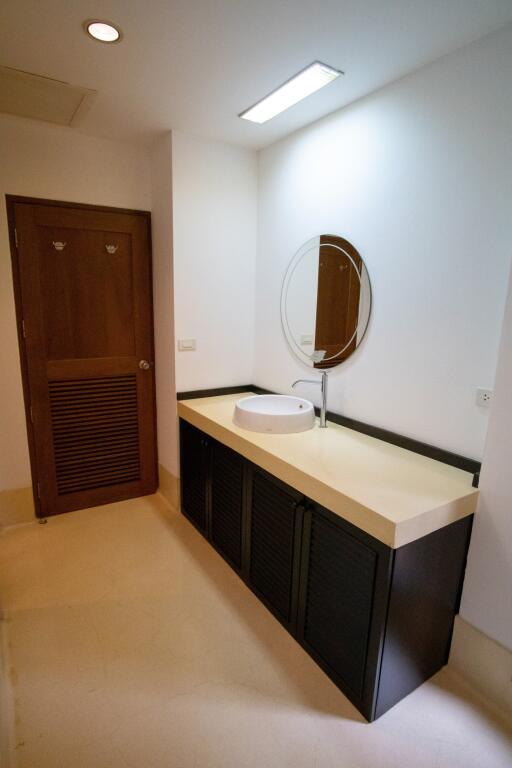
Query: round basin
column 278, row 414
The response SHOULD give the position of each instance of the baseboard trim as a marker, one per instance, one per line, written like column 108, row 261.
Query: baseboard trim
column 169, row 487
column 483, row 662
column 17, row 506
column 6, row 701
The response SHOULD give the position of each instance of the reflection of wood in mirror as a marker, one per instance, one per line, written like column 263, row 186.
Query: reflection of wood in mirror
column 337, row 305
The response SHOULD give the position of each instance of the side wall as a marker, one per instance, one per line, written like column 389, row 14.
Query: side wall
column 487, row 597
column 163, row 298
column 417, row 177
column 214, row 219
column 39, row 160
column 482, row 642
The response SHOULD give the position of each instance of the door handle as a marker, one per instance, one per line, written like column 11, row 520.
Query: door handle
column 145, row 365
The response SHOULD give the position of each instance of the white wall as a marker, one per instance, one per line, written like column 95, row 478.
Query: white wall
column 214, row 220
column 40, row 160
column 417, row 177
column 487, row 596
column 161, row 225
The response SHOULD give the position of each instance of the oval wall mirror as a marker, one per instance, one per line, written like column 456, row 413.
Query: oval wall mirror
column 325, row 301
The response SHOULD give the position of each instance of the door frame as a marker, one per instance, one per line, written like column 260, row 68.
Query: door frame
column 10, row 202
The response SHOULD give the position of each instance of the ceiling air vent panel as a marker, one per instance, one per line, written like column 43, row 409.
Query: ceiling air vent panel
column 41, row 98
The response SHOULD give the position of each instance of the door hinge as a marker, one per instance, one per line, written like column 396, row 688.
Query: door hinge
column 23, row 329
column 31, row 415
column 38, row 491
column 15, row 237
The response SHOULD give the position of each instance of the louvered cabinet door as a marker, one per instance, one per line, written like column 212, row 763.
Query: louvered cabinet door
column 83, row 287
column 274, row 537
column 227, row 502
column 195, row 455
column 337, row 600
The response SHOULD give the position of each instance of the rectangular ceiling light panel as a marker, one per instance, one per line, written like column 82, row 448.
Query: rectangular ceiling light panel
column 294, row 90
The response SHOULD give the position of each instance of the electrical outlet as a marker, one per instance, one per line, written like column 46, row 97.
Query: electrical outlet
column 483, row 397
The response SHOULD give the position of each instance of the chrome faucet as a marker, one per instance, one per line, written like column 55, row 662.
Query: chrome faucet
column 323, row 390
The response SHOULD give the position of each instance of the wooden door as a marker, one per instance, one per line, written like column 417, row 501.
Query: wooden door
column 82, row 280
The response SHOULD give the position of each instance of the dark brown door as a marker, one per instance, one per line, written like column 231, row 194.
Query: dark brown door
column 83, row 287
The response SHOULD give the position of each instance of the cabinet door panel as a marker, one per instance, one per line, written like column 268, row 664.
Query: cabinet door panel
column 275, row 531
column 337, row 599
column 227, row 486
column 194, row 460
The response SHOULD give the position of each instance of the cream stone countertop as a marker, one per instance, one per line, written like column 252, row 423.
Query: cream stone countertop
column 393, row 494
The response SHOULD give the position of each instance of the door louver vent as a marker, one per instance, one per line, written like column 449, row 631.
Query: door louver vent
column 95, row 432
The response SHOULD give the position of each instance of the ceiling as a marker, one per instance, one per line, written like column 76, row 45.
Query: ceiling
column 193, row 65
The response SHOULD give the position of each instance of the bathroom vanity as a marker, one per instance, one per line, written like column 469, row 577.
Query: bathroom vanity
column 357, row 546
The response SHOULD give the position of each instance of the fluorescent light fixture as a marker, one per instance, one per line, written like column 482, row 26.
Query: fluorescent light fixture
column 297, row 88
column 103, row 31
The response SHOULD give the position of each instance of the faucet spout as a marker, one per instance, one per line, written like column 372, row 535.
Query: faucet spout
column 323, row 390
column 305, row 381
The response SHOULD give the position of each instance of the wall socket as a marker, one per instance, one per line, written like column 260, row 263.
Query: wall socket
column 483, row 397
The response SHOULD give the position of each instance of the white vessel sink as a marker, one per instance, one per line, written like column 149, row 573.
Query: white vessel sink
column 280, row 414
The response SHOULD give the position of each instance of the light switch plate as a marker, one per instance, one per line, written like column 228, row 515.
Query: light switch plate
column 186, row 345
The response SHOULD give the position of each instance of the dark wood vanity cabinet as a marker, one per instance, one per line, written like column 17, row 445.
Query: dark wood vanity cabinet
column 195, row 475
column 226, row 508
column 212, row 491
column 342, row 603
column 274, row 533
column 377, row 620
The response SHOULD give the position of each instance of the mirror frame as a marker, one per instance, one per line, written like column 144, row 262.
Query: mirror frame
column 314, row 242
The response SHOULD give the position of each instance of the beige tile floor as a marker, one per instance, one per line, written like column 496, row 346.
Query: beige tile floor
column 133, row 645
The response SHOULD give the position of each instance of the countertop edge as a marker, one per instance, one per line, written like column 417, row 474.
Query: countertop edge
column 394, row 535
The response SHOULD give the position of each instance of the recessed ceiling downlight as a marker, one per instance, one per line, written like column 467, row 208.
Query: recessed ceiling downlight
column 103, row 31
